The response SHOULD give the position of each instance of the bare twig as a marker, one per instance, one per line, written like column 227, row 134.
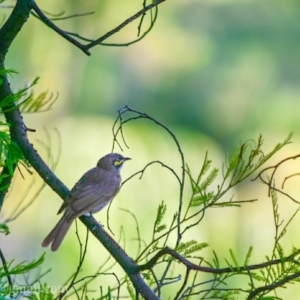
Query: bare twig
column 85, row 48
column 59, row 31
column 186, row 277
column 141, row 172
column 270, row 182
column 80, row 263
column 123, row 24
column 53, row 162
column 72, row 16
column 8, row 33
column 288, row 177
column 191, row 266
column 273, row 286
column 4, row 264
column 140, row 115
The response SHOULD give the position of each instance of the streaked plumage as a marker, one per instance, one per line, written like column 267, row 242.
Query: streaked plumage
column 95, row 189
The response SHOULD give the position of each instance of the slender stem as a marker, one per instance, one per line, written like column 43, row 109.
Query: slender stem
column 8, row 33
column 10, row 283
column 12, row 26
column 123, row 24
column 6, row 175
column 18, row 132
column 61, row 32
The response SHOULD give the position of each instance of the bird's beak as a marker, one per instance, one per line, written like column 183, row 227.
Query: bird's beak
column 126, row 158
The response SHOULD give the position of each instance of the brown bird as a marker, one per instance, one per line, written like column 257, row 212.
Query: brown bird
column 95, row 189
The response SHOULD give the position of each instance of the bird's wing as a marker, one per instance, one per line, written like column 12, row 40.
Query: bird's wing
column 91, row 200
column 92, row 192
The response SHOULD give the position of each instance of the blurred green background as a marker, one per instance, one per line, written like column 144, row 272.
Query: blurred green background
column 217, row 73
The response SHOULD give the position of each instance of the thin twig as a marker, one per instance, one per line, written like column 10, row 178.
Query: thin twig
column 81, row 260
column 193, row 266
column 123, row 24
column 4, row 264
column 141, row 172
column 61, row 32
column 273, row 286
column 186, row 277
column 72, row 16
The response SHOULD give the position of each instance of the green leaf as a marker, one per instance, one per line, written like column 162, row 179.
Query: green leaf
column 9, row 102
column 236, row 264
column 216, row 260
column 183, row 246
column 202, row 199
column 247, row 159
column 269, row 298
column 205, row 167
column 4, row 229
column 130, row 288
column 43, row 102
column 161, row 211
column 258, row 277
column 209, row 179
column 190, row 247
column 249, row 253
column 195, row 248
column 43, row 293
column 23, row 267
column 160, row 228
column 5, row 72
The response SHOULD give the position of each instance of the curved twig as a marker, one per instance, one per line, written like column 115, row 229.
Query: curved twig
column 123, row 24
column 140, row 115
column 92, row 43
column 5, row 268
column 273, row 286
column 141, row 172
column 191, row 266
column 59, row 31
column 270, row 181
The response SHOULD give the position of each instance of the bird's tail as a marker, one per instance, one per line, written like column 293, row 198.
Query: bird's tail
column 58, row 233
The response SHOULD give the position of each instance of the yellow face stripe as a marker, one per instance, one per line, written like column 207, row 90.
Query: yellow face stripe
column 119, row 162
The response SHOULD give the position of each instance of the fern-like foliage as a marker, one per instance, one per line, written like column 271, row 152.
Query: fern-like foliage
column 43, row 102
column 41, row 292
column 211, row 187
column 24, row 99
column 161, row 211
column 10, row 154
column 238, row 166
column 9, row 270
column 190, row 247
column 4, row 229
column 246, row 159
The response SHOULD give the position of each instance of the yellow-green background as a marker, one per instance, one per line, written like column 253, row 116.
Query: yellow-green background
column 215, row 72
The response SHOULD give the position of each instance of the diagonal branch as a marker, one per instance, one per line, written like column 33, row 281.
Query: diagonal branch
column 18, row 132
column 61, row 32
column 273, row 286
column 7, row 176
column 6, row 271
column 12, row 27
column 85, row 48
column 123, row 24
column 8, row 33
column 191, row 266
column 19, row 135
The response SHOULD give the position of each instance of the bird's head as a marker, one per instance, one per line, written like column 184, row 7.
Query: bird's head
column 112, row 161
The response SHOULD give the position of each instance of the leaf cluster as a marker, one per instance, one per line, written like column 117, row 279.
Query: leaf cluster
column 10, row 154
column 238, row 166
column 209, row 189
column 158, row 269
column 12, row 275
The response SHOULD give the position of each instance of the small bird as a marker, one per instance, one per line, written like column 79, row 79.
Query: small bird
column 94, row 190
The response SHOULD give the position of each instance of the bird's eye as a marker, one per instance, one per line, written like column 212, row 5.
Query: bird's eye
column 118, row 163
